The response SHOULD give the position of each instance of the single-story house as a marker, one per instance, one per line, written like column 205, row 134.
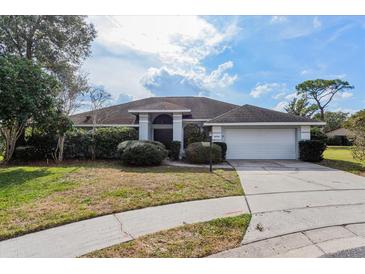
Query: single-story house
column 339, row 132
column 250, row 132
column 342, row 136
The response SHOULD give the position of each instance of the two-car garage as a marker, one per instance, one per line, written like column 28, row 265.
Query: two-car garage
column 260, row 143
column 252, row 132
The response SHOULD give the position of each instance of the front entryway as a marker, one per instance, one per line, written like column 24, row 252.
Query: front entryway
column 163, row 135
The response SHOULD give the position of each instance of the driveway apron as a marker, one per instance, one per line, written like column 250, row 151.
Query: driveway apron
column 291, row 196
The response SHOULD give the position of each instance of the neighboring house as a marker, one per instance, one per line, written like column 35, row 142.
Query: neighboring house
column 250, row 132
column 340, row 136
column 340, row 132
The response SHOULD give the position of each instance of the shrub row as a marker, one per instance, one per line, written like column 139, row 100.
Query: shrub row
column 78, row 144
column 338, row 141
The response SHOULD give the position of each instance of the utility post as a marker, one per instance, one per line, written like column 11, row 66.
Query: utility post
column 210, row 151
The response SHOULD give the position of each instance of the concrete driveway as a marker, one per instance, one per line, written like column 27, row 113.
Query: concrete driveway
column 286, row 197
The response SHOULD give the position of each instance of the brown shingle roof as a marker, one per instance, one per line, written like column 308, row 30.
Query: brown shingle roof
column 201, row 108
column 163, row 105
column 253, row 114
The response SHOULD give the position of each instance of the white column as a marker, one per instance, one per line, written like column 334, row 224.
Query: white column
column 217, row 134
column 144, row 127
column 177, row 129
column 305, row 133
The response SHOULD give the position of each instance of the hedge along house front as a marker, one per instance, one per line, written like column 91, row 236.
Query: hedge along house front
column 78, row 144
column 250, row 132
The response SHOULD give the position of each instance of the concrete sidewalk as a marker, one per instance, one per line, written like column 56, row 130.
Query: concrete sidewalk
column 82, row 237
column 308, row 244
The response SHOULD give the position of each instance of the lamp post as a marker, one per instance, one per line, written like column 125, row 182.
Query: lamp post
column 210, row 151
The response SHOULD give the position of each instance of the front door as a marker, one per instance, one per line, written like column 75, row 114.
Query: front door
column 163, row 135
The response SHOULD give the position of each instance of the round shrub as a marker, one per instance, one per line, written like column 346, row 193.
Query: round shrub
column 142, row 153
column 175, row 150
column 123, row 145
column 311, row 150
column 199, row 153
column 223, row 146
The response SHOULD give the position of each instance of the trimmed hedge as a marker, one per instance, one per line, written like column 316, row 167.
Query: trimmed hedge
column 142, row 153
column 223, row 146
column 27, row 153
column 106, row 141
column 193, row 133
column 338, row 141
column 311, row 150
column 175, row 150
column 199, row 153
column 35, row 148
column 78, row 144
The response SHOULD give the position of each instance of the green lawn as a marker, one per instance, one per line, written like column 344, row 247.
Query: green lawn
column 188, row 241
column 38, row 197
column 340, row 157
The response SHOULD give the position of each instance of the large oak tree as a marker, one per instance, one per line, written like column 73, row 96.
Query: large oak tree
column 59, row 44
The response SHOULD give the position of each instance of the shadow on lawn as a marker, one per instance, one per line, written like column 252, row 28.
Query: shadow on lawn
column 20, row 175
column 344, row 165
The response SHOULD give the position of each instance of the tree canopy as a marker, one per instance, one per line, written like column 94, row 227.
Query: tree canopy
column 27, row 94
column 334, row 120
column 301, row 107
column 322, row 91
column 356, row 124
column 49, row 39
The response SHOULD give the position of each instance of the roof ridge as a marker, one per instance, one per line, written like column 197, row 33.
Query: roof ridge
column 225, row 113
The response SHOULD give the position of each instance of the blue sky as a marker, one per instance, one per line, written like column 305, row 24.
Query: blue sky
column 239, row 59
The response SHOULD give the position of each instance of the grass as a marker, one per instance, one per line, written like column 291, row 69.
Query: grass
column 340, row 157
column 38, row 197
column 188, row 241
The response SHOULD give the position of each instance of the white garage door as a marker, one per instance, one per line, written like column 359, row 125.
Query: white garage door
column 260, row 143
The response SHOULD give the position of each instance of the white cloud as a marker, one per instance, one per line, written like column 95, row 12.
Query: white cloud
column 279, row 95
column 261, row 89
column 176, row 44
column 344, row 95
column 316, row 22
column 291, row 96
column 278, row 19
column 349, row 110
column 182, row 39
column 169, row 78
column 280, row 106
column 305, row 72
column 117, row 80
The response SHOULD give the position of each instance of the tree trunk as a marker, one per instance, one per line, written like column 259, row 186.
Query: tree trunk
column 61, row 143
column 321, row 114
column 11, row 136
column 10, row 147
